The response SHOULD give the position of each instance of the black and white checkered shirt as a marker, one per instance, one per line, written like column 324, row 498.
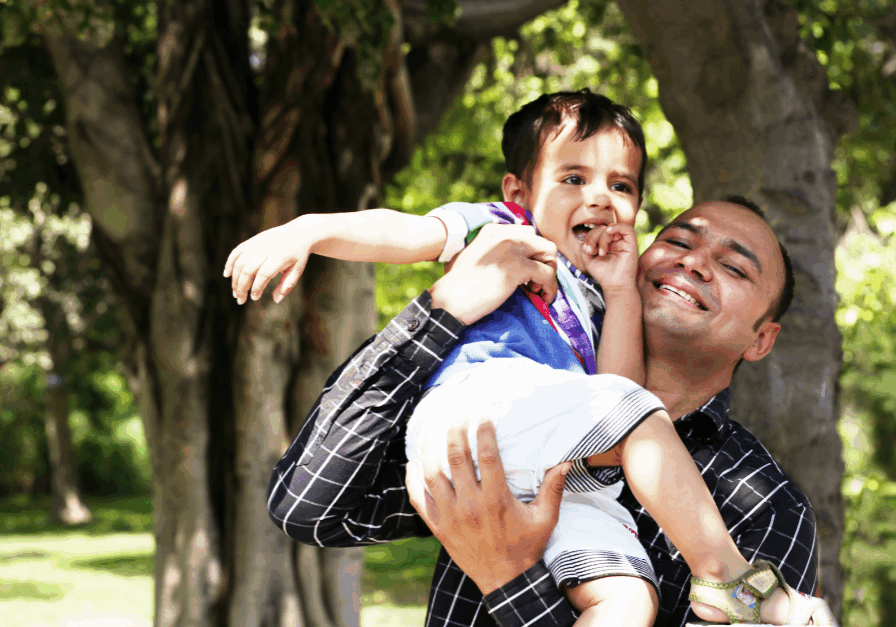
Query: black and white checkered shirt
column 341, row 483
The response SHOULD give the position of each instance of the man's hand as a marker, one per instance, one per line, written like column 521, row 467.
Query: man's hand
column 256, row 261
column 614, row 264
column 492, row 536
column 484, row 274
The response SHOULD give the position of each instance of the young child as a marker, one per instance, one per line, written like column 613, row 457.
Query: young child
column 575, row 170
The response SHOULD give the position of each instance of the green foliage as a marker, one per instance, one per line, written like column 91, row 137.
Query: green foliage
column 364, row 25
column 110, row 448
column 57, row 317
column 399, row 573
column 866, row 264
column 867, row 319
column 856, row 43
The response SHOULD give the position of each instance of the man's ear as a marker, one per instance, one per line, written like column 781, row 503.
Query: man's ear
column 765, row 340
column 514, row 189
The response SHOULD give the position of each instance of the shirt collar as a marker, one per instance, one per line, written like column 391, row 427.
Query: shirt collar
column 708, row 421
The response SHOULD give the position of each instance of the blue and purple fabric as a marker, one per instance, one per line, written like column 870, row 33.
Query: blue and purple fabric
column 566, row 339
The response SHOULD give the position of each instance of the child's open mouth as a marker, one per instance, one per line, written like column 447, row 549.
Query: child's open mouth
column 581, row 230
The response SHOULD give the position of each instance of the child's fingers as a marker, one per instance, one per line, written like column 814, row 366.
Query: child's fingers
column 267, row 271
column 590, row 241
column 246, row 275
column 288, row 281
column 231, row 259
column 604, row 240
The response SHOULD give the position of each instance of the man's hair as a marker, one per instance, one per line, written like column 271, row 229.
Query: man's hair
column 781, row 304
column 526, row 130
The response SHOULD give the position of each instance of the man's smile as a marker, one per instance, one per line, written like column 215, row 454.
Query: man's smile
column 683, row 291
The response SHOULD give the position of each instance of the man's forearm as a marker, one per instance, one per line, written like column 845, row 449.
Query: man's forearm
column 341, row 481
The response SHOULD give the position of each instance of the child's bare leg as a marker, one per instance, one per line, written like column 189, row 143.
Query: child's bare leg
column 663, row 477
column 614, row 601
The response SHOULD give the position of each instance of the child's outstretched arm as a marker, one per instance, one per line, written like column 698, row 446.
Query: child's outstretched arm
column 615, row 267
column 379, row 235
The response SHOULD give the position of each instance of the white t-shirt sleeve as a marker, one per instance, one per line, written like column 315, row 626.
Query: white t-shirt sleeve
column 457, row 229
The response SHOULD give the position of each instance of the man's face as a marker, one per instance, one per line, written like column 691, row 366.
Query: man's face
column 710, row 276
column 577, row 185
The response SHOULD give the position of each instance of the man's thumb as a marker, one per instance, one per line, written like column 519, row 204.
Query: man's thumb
column 551, row 490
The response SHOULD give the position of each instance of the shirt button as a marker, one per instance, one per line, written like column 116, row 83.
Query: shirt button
column 413, row 325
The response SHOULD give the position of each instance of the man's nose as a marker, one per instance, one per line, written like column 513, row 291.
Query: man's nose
column 695, row 263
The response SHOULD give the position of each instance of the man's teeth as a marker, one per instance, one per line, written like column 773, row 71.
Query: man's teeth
column 687, row 297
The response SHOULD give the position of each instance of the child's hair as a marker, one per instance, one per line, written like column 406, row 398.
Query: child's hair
column 526, row 130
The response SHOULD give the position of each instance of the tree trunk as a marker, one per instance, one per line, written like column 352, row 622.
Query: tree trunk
column 67, row 507
column 222, row 389
column 751, row 105
column 218, row 384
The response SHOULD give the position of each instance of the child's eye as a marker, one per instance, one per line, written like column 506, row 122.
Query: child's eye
column 574, row 179
column 622, row 187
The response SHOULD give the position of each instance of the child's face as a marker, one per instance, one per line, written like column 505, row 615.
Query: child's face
column 577, row 185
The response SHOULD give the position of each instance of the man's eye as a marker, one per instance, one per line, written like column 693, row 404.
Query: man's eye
column 677, row 242
column 736, row 271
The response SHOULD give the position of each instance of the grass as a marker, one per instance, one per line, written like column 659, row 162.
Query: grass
column 24, row 516
column 101, row 574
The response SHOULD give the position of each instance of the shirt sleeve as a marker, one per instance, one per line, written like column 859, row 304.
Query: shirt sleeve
column 342, row 480
column 785, row 536
column 463, row 219
column 531, row 599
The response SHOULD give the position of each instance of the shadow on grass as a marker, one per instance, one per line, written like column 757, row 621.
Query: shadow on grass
column 399, row 573
column 20, row 590
column 31, row 516
column 139, row 565
column 22, row 555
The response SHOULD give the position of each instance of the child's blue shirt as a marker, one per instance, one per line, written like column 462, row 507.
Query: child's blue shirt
column 517, row 329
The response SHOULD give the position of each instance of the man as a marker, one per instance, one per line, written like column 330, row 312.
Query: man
column 713, row 286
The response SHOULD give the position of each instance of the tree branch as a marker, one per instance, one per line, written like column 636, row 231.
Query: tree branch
column 111, row 152
column 484, row 19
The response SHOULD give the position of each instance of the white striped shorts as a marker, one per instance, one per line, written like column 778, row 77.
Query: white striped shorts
column 543, row 417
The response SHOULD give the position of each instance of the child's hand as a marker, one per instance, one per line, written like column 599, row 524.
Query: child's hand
column 259, row 259
column 614, row 256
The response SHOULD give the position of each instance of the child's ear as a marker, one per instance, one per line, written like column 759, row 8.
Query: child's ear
column 514, row 189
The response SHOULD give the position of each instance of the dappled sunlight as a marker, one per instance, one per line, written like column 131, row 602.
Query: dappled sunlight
column 73, row 578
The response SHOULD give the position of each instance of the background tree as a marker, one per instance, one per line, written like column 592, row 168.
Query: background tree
column 192, row 125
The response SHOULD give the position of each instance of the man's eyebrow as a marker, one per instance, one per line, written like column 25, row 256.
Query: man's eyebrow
column 746, row 252
column 685, row 226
